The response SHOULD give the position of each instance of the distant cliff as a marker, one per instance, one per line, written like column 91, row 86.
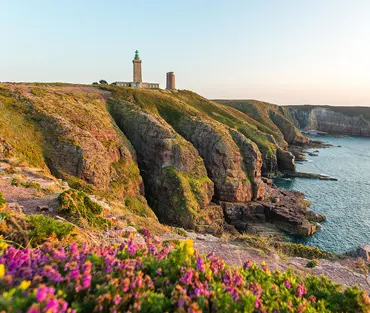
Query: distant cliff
column 332, row 119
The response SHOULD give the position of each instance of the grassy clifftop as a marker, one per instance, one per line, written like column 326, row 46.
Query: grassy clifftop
column 276, row 119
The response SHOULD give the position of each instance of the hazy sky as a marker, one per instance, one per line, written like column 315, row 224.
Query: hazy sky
column 281, row 51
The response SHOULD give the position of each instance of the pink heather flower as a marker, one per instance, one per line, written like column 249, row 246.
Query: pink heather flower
column 146, row 233
column 64, row 305
column 258, row 302
column 42, row 293
column 152, row 249
column 256, row 289
column 74, row 249
column 52, row 306
column 187, row 278
column 117, row 299
column 300, row 291
column 247, row 264
column 74, row 274
column 86, row 281
column 131, row 248
column 287, row 284
column 200, row 265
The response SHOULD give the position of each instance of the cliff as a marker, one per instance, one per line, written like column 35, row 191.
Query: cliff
column 332, row 119
column 194, row 160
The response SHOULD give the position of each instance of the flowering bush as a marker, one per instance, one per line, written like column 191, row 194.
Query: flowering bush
column 157, row 278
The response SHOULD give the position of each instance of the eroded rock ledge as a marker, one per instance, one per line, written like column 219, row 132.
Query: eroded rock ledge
column 285, row 209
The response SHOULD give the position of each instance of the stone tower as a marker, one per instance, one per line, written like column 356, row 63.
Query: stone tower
column 171, row 83
column 137, row 68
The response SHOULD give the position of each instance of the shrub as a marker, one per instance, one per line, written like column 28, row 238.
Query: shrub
column 155, row 278
column 2, row 201
column 43, row 227
column 294, row 249
column 312, row 263
column 78, row 207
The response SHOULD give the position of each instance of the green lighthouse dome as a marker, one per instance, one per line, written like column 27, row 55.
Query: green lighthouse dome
column 137, row 57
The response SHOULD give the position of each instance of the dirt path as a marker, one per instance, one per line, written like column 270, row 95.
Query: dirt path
column 29, row 198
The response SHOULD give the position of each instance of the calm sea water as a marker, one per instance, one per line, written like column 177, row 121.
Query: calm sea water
column 345, row 202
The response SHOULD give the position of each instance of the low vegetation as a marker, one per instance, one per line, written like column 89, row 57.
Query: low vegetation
column 300, row 250
column 2, row 201
column 312, row 263
column 278, row 245
column 42, row 228
column 25, row 184
column 158, row 278
column 76, row 206
column 31, row 230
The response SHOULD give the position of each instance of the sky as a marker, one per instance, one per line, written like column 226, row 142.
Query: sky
column 280, row 51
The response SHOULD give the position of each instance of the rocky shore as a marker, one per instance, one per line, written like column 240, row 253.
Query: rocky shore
column 287, row 210
column 308, row 175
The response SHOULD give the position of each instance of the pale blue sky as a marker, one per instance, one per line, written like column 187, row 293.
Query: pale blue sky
column 281, row 51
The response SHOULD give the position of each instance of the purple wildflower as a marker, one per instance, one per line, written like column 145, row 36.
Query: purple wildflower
column 287, row 284
column 200, row 265
column 300, row 291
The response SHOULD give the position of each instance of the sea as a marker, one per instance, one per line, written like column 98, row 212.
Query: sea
column 346, row 202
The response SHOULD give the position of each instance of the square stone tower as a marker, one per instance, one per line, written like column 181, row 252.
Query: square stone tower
column 137, row 68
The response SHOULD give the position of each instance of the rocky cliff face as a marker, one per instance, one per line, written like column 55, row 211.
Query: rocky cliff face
column 192, row 158
column 337, row 120
column 176, row 180
column 276, row 123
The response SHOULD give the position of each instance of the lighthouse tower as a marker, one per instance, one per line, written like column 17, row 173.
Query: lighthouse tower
column 137, row 69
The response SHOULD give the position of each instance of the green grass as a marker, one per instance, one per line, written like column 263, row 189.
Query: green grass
column 25, row 184
column 272, row 244
column 276, row 120
column 299, row 250
column 43, row 227
column 19, row 130
column 139, row 206
column 78, row 207
column 2, row 201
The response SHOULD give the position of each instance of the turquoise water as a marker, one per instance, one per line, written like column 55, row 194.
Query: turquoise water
column 345, row 202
